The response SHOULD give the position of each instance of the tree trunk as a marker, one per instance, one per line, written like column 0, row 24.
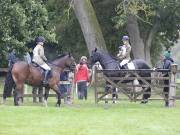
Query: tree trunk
column 135, row 39
column 149, row 42
column 89, row 25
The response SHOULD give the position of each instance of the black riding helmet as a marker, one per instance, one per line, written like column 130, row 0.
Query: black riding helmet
column 40, row 39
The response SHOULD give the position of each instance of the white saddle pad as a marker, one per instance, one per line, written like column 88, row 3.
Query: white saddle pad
column 130, row 65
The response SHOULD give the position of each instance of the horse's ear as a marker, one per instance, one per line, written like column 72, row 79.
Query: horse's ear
column 95, row 49
column 69, row 54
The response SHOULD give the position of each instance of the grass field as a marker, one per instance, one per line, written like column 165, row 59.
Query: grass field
column 86, row 118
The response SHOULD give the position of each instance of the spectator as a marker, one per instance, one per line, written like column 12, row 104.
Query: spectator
column 82, row 78
column 167, row 61
column 65, row 86
column 27, row 57
column 11, row 58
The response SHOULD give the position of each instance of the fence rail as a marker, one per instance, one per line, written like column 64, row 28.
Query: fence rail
column 3, row 70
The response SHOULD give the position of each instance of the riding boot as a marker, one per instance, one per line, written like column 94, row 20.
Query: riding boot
column 45, row 81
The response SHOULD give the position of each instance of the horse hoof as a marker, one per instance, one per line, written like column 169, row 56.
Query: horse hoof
column 16, row 104
column 144, row 102
column 114, row 102
column 166, row 104
column 58, row 105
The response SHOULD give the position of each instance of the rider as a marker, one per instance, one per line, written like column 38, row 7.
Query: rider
column 39, row 57
column 124, row 52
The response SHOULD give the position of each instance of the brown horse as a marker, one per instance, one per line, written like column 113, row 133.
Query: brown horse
column 27, row 73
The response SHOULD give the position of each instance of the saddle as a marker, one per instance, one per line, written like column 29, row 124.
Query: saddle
column 38, row 67
column 130, row 65
column 42, row 71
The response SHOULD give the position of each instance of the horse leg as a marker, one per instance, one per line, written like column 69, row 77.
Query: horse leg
column 147, row 94
column 34, row 93
column 114, row 95
column 55, row 88
column 40, row 93
column 16, row 99
column 46, row 95
column 107, row 88
column 18, row 94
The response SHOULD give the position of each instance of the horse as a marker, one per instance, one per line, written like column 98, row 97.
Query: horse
column 22, row 73
column 109, row 62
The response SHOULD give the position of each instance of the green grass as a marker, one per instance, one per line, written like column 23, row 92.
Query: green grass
column 87, row 118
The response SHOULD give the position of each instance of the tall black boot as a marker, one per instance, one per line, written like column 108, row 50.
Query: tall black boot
column 45, row 81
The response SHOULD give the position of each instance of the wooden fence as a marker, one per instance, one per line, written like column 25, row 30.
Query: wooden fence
column 132, row 94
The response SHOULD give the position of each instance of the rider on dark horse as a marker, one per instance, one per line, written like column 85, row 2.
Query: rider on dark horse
column 124, row 52
column 39, row 57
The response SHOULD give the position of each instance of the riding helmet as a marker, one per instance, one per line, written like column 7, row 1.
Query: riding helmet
column 40, row 39
column 125, row 38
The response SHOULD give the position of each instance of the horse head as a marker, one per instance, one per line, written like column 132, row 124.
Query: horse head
column 70, row 62
column 65, row 61
column 95, row 56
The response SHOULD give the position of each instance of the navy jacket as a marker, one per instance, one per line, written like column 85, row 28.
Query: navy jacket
column 167, row 63
column 11, row 58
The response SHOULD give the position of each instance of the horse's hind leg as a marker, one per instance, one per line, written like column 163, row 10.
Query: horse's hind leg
column 16, row 99
column 106, row 91
column 18, row 94
column 147, row 94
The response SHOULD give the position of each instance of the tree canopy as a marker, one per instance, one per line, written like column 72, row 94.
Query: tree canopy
column 20, row 22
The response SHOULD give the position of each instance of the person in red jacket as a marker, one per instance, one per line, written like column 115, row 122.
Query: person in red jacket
column 82, row 78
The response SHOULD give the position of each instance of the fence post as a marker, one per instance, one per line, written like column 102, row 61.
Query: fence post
column 95, row 83
column 172, row 85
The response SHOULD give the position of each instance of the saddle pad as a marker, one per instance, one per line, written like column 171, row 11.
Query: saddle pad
column 130, row 65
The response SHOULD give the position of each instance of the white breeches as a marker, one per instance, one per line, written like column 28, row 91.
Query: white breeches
column 45, row 66
column 123, row 62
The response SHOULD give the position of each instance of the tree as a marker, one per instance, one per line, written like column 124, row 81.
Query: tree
column 89, row 24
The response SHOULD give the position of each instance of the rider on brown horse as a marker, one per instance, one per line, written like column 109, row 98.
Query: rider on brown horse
column 39, row 57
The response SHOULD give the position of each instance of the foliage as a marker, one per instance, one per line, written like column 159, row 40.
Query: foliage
column 20, row 22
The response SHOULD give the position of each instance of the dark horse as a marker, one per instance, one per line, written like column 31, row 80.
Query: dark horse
column 29, row 74
column 108, row 62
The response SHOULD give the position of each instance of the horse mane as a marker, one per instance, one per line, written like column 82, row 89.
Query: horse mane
column 112, row 56
column 58, row 57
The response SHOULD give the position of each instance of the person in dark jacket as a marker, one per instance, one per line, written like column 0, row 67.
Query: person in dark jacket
column 167, row 61
column 65, row 86
column 11, row 58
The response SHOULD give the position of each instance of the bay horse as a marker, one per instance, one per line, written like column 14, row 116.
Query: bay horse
column 22, row 73
column 109, row 62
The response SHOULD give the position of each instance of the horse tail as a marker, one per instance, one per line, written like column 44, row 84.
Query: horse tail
column 8, row 85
